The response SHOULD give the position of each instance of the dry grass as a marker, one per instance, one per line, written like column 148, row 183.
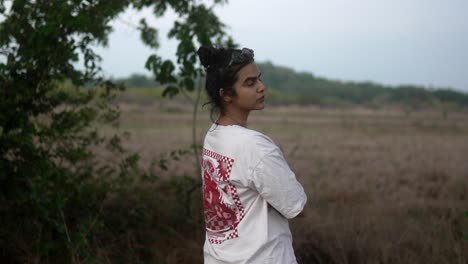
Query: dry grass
column 382, row 187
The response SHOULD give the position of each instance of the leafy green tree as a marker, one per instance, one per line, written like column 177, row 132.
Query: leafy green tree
column 52, row 180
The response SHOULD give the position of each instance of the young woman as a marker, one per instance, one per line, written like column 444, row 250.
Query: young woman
column 248, row 188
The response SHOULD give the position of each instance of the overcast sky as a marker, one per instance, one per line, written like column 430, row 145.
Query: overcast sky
column 421, row 42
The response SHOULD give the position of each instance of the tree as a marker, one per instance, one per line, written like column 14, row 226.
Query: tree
column 138, row 81
column 49, row 171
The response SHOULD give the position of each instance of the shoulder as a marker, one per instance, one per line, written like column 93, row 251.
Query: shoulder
column 244, row 140
column 261, row 143
column 261, row 139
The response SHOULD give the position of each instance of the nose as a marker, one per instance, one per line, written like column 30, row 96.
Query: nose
column 261, row 87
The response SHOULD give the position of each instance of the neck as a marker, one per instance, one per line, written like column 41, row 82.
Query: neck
column 233, row 118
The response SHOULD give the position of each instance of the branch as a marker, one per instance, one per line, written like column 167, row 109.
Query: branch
column 127, row 23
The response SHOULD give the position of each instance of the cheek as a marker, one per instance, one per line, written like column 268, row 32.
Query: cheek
column 251, row 95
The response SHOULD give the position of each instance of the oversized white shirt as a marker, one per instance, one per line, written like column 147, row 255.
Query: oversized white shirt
column 249, row 193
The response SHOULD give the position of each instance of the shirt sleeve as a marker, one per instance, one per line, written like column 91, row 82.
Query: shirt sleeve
column 277, row 184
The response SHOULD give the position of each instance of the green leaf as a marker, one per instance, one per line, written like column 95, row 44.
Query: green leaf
column 132, row 160
column 148, row 35
column 165, row 72
column 170, row 91
column 152, row 62
column 163, row 164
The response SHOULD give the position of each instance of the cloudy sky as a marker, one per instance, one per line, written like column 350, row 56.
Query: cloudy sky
column 421, row 42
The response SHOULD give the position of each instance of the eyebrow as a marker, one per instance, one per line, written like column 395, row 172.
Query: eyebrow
column 253, row 78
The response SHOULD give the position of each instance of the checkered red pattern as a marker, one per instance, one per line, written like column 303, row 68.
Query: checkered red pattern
column 237, row 201
column 221, row 227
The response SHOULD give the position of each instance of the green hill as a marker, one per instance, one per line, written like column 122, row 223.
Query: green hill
column 286, row 86
column 305, row 88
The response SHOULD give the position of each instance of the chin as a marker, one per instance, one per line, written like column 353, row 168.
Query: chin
column 260, row 107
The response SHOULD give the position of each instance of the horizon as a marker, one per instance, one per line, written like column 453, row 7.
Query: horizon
column 393, row 43
column 431, row 88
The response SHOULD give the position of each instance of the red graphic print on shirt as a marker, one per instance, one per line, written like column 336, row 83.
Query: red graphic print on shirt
column 223, row 209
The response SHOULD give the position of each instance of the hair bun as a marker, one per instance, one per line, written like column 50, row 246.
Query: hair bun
column 211, row 56
column 206, row 56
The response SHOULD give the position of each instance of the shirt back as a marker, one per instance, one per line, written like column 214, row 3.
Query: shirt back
column 249, row 193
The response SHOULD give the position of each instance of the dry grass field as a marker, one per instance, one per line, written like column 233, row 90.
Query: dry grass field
column 382, row 187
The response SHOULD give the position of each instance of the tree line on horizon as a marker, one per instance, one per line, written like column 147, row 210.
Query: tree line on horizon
column 288, row 86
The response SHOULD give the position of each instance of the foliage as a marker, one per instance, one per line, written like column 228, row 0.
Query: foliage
column 285, row 86
column 56, row 168
column 306, row 88
column 138, row 81
column 198, row 25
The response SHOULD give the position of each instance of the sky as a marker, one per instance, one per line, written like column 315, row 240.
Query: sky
column 391, row 42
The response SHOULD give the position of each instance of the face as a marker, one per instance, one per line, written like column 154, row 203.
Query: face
column 250, row 91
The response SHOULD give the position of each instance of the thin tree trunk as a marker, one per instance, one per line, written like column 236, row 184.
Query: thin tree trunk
column 194, row 126
column 197, row 184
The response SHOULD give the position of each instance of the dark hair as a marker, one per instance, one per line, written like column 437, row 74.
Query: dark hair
column 222, row 66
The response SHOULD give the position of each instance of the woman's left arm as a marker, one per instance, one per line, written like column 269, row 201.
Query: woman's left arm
column 277, row 184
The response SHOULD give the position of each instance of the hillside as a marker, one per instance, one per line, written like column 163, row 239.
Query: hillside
column 286, row 86
column 305, row 88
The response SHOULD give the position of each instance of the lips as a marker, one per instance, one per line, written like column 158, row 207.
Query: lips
column 261, row 99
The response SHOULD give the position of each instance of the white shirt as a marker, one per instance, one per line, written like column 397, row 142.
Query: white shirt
column 249, row 193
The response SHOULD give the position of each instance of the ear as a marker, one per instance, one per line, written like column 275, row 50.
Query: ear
column 226, row 98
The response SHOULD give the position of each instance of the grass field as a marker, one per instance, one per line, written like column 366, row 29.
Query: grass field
column 382, row 186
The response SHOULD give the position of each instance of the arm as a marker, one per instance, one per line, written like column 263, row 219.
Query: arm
column 277, row 184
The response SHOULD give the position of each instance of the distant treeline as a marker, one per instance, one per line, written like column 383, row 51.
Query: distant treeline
column 287, row 86
column 137, row 80
column 305, row 88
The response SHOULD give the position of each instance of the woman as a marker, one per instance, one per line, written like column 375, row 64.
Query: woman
column 249, row 190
